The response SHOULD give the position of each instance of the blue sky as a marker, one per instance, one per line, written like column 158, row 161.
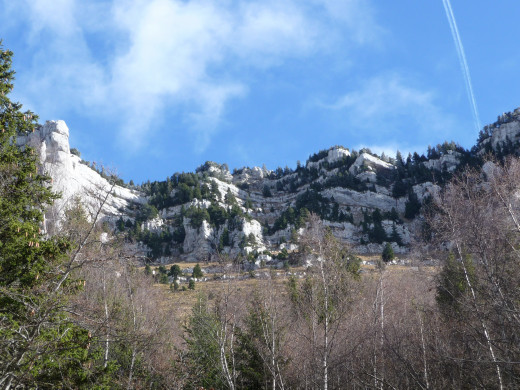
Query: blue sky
column 151, row 87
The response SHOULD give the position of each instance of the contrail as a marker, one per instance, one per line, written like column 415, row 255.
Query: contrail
column 462, row 60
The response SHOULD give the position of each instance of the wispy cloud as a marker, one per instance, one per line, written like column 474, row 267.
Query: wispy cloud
column 384, row 103
column 138, row 60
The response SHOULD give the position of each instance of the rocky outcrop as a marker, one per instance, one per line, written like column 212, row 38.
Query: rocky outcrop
column 367, row 162
column 334, row 154
column 426, row 190
column 449, row 162
column 74, row 180
column 197, row 243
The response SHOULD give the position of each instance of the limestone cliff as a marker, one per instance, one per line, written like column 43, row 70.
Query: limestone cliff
column 258, row 213
column 73, row 179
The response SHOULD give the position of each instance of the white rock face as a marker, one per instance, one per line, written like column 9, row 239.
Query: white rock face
column 425, row 190
column 253, row 227
column 367, row 177
column 251, row 175
column 344, row 231
column 73, row 179
column 368, row 162
column 367, row 199
column 489, row 168
column 287, row 245
column 402, row 230
column 154, row 225
column 337, row 153
column 334, row 154
column 222, row 173
column 197, row 243
column 507, row 131
column 450, row 161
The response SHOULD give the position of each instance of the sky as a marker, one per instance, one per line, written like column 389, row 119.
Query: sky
column 153, row 87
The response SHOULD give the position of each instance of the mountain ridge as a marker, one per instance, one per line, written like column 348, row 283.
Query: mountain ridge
column 251, row 213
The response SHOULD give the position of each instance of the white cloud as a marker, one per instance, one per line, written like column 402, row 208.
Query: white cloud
column 172, row 54
column 357, row 15
column 385, row 102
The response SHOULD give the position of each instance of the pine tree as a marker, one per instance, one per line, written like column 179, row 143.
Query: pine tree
column 38, row 342
column 197, row 271
column 388, row 253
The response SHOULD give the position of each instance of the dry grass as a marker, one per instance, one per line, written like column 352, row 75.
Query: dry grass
column 183, row 301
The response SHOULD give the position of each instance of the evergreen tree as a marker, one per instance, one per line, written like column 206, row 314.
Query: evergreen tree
column 266, row 192
column 203, row 353
column 39, row 346
column 388, row 253
column 175, row 271
column 197, row 271
column 412, row 206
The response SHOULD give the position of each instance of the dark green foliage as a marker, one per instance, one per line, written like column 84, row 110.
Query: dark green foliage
column 197, row 271
column 224, row 239
column 377, row 234
column 259, row 343
column 40, row 347
column 313, row 201
column 229, row 198
column 203, row 353
column 75, row 152
column 283, row 254
column 191, row 284
column 175, row 271
column 197, row 215
column 318, row 156
column 395, row 237
column 157, row 242
column 372, row 225
column 148, row 269
column 179, row 235
column 388, row 253
column 163, row 278
column 400, row 188
column 412, row 206
column 452, row 284
column 184, row 194
column 120, row 224
column 266, row 192
column 290, row 216
column 146, row 212
column 185, row 186
column 218, row 215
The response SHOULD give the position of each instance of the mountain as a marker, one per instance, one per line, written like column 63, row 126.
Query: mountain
column 367, row 200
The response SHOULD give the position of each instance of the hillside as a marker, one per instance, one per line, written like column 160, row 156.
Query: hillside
column 366, row 199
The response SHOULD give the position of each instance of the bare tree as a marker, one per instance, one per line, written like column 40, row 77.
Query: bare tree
column 477, row 217
column 323, row 299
